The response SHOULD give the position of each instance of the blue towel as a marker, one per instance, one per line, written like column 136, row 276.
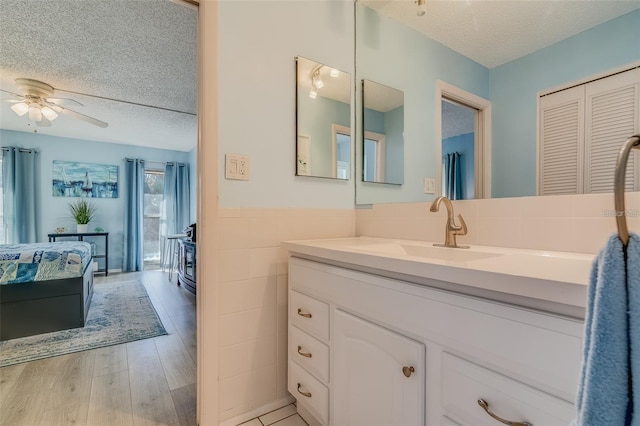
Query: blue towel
column 611, row 357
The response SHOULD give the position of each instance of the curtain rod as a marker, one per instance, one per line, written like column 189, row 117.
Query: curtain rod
column 30, row 150
column 164, row 163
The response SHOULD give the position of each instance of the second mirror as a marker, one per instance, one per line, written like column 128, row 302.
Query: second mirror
column 323, row 121
column 383, row 138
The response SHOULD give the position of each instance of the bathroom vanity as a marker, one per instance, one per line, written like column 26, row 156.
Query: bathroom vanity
column 389, row 332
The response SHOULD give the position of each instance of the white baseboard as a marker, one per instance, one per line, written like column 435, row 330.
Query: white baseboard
column 234, row 421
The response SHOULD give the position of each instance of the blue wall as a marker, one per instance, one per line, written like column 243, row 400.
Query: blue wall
column 464, row 144
column 315, row 120
column 515, row 87
column 110, row 212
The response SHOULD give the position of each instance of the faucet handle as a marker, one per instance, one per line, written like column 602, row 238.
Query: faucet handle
column 462, row 229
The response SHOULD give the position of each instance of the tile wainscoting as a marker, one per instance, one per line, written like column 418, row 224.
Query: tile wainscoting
column 252, row 305
column 573, row 223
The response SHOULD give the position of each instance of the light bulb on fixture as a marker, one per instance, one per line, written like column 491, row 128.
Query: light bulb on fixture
column 422, row 7
column 313, row 93
column 49, row 113
column 20, row 108
column 334, row 73
column 35, row 113
column 317, row 81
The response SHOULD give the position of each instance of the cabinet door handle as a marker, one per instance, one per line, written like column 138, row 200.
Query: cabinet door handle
column 307, row 394
column 485, row 405
column 304, row 354
column 407, row 371
column 303, row 314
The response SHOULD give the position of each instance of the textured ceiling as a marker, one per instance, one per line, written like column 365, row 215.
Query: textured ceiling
column 457, row 120
column 493, row 32
column 142, row 51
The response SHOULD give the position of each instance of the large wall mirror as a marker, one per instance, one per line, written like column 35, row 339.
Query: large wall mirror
column 323, row 120
column 506, row 56
column 383, row 136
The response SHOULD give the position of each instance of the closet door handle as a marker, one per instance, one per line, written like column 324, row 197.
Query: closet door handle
column 307, row 394
column 304, row 354
column 485, row 405
column 303, row 314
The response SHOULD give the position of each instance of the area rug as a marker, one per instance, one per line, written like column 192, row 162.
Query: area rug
column 120, row 312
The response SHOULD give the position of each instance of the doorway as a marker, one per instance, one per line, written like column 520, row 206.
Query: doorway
column 463, row 132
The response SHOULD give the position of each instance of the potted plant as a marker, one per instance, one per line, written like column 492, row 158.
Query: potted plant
column 82, row 212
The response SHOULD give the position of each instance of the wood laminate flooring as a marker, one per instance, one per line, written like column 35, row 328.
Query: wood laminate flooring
column 147, row 382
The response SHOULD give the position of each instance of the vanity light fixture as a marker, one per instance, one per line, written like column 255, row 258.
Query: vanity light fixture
column 422, row 7
column 316, row 80
column 314, row 92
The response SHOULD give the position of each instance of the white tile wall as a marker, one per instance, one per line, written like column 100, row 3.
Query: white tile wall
column 253, row 298
column 574, row 223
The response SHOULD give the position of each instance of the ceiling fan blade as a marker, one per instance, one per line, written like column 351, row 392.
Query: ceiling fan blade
column 77, row 115
column 54, row 100
column 11, row 93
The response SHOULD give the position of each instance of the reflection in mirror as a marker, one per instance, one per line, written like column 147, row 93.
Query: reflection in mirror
column 458, row 150
column 383, row 136
column 542, row 47
column 323, row 120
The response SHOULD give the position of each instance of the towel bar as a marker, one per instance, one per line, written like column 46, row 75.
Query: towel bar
column 618, row 186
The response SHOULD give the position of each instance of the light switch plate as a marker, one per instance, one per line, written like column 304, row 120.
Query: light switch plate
column 237, row 167
column 429, row 186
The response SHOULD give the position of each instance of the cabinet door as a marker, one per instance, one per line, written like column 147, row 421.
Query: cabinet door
column 369, row 386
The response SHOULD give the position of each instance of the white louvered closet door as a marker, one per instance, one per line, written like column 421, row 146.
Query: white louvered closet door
column 560, row 146
column 612, row 115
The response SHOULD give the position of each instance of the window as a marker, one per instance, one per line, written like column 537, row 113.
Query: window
column 374, row 157
column 153, row 189
column 341, row 151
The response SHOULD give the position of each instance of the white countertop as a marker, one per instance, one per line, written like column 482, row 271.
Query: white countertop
column 555, row 278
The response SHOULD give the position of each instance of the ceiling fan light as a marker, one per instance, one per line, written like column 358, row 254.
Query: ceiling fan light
column 334, row 73
column 35, row 114
column 49, row 113
column 20, row 108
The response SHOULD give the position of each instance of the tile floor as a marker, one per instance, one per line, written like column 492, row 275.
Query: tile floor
column 285, row 416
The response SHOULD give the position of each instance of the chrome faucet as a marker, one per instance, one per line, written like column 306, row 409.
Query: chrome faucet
column 451, row 228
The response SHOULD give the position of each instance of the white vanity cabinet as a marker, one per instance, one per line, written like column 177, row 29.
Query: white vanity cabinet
column 391, row 352
column 378, row 374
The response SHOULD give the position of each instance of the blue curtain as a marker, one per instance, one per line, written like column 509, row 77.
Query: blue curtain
column 21, row 189
column 175, row 214
column 452, row 176
column 133, row 255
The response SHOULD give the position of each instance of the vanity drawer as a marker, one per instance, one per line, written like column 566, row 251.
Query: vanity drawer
column 309, row 392
column 310, row 353
column 464, row 383
column 310, row 314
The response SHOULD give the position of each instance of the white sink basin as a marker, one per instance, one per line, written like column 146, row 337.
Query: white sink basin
column 428, row 252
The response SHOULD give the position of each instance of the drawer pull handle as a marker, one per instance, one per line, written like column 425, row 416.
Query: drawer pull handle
column 307, row 394
column 302, row 314
column 484, row 404
column 407, row 371
column 304, row 354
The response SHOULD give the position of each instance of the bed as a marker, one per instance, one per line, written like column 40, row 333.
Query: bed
column 44, row 287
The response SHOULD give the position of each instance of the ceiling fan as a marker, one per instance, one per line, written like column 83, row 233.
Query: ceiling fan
column 36, row 100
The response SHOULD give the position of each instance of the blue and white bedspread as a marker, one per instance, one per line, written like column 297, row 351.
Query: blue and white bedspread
column 21, row 263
